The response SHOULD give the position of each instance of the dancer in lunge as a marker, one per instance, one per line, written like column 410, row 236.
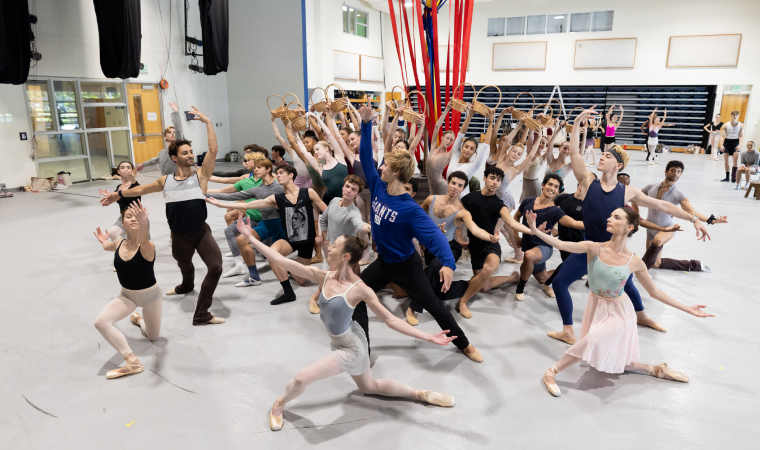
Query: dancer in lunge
column 133, row 260
column 612, row 124
column 750, row 161
column 733, row 132
column 185, row 193
column 342, row 292
column 609, row 340
column 166, row 164
column 602, row 196
column 536, row 251
column 668, row 191
column 486, row 209
column 714, row 129
column 295, row 206
column 396, row 220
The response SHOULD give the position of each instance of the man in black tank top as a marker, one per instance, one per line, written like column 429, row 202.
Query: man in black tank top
column 185, row 193
column 296, row 206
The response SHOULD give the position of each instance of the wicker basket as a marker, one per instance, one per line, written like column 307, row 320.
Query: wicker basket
column 339, row 104
column 410, row 115
column 291, row 114
column 399, row 103
column 280, row 109
column 481, row 108
column 300, row 123
column 457, row 104
column 321, row 105
column 569, row 126
column 547, row 121
column 519, row 115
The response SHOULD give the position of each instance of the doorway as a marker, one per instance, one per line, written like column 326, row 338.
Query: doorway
column 733, row 102
column 146, row 120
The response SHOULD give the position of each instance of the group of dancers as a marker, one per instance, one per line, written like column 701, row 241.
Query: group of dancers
column 337, row 194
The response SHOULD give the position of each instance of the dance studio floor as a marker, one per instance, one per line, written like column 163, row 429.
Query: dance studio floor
column 212, row 386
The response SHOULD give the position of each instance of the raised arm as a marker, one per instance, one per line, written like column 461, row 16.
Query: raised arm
column 622, row 112
column 391, row 130
column 107, row 244
column 399, row 325
column 365, row 147
column 210, row 161
column 330, row 130
column 466, row 124
column 147, row 248
column 177, row 121
column 353, row 114
column 439, row 124
column 302, row 153
column 606, row 116
column 495, row 136
column 517, row 170
column 417, row 138
column 642, row 274
column 576, row 160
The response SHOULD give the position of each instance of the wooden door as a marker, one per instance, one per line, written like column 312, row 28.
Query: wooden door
column 732, row 102
column 146, row 120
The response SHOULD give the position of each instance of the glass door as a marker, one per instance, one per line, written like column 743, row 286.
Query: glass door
column 146, row 120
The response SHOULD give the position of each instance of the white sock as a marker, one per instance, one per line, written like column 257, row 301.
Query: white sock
column 239, row 261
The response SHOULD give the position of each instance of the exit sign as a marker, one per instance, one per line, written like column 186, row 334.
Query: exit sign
column 736, row 88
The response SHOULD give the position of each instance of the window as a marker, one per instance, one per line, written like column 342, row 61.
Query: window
column 355, row 21
column 67, row 104
column 580, row 22
column 515, row 26
column 496, row 26
column 602, row 21
column 102, row 92
column 39, row 105
column 536, row 25
column 557, row 23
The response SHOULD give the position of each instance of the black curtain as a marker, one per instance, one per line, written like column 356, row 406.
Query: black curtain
column 215, row 20
column 119, row 30
column 15, row 41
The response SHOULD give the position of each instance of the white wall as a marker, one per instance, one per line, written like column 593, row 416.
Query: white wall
column 67, row 37
column 652, row 22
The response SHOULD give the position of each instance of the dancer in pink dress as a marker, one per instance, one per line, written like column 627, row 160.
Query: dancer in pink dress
column 609, row 341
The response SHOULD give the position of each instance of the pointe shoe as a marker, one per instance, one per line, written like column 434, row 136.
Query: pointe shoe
column 473, row 353
column 135, row 318
column 558, row 335
column 652, row 324
column 132, row 366
column 463, row 311
column 275, row 422
column 550, row 384
column 435, row 398
column 411, row 317
column 511, row 260
column 313, row 308
column 215, row 320
column 520, row 297
column 666, row 373
column 548, row 291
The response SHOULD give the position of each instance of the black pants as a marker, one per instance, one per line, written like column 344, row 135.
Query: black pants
column 433, row 275
column 409, row 276
column 184, row 247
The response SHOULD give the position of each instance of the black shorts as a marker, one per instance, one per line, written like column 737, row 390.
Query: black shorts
column 730, row 146
column 304, row 250
column 480, row 251
column 609, row 140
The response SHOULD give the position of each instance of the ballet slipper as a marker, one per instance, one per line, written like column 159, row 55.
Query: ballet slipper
column 473, row 353
column 275, row 422
column 560, row 336
column 651, row 324
column 550, row 383
column 313, row 308
column 548, row 291
column 215, row 320
column 132, row 366
column 135, row 318
column 666, row 373
column 411, row 317
column 463, row 311
column 438, row 399
column 520, row 297
column 512, row 260
column 365, row 262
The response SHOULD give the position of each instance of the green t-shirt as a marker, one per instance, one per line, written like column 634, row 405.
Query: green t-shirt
column 247, row 183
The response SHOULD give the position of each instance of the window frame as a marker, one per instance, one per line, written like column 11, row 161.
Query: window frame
column 570, row 22
column 525, row 25
column 83, row 130
column 352, row 10
column 612, row 25
column 546, row 24
column 565, row 16
column 503, row 28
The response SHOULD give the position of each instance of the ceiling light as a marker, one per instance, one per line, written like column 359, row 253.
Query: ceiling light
column 559, row 17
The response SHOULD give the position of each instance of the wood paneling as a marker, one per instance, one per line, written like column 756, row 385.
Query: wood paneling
column 145, row 148
column 145, row 104
column 733, row 103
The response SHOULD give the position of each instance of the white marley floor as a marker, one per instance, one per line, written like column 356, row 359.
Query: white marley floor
column 213, row 385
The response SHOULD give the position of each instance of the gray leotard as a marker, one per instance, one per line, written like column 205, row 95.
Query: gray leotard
column 561, row 172
column 449, row 228
column 504, row 194
column 436, row 165
column 335, row 312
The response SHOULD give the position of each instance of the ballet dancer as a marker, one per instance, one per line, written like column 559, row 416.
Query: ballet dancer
column 448, row 214
column 612, row 124
column 486, row 209
column 536, row 251
column 750, row 161
column 165, row 162
column 713, row 129
column 127, row 174
column 363, row 202
column 588, row 129
column 534, row 172
column 296, row 209
column 350, row 348
column 133, row 259
column 467, row 155
column 303, row 179
column 602, row 196
column 655, row 125
column 185, row 193
column 397, row 218
column 559, row 166
column 733, row 133
column 667, row 191
column 439, row 156
column 609, row 340
column 278, row 155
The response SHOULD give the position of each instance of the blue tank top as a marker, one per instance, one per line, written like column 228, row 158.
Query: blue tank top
column 335, row 312
column 597, row 207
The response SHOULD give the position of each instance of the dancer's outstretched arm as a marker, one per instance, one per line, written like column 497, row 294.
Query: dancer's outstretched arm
column 588, row 247
column 642, row 274
column 635, row 195
column 582, row 174
column 143, row 189
column 268, row 202
column 464, row 216
column 108, row 245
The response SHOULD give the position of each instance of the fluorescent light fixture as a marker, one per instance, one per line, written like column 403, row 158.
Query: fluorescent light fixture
column 559, row 17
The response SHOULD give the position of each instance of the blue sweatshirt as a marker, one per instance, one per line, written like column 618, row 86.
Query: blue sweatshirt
column 396, row 219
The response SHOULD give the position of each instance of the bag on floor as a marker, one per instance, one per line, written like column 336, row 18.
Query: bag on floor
column 42, row 184
column 64, row 178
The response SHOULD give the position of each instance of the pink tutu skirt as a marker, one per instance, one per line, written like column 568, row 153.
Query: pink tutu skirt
column 609, row 339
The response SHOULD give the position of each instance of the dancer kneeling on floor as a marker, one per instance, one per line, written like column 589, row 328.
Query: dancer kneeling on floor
column 133, row 260
column 342, row 290
column 609, row 340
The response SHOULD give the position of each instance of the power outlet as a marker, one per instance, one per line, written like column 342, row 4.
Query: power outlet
column 2, row 186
